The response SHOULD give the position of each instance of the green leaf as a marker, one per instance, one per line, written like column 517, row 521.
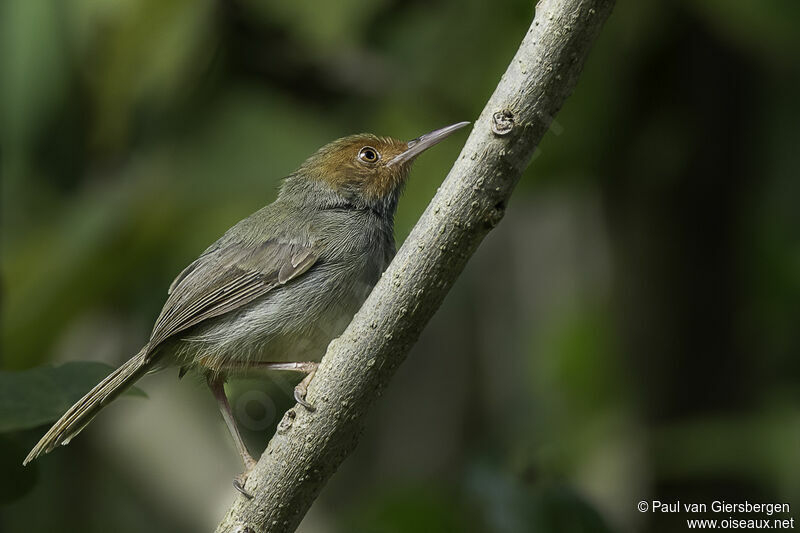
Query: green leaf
column 17, row 479
column 40, row 395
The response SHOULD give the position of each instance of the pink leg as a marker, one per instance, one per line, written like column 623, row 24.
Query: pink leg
column 217, row 386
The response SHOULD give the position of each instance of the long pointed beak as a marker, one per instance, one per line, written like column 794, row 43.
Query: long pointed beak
column 423, row 142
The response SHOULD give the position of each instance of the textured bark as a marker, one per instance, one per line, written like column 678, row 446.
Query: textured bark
column 309, row 446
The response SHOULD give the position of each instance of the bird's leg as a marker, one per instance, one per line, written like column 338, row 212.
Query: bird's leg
column 217, row 386
column 309, row 368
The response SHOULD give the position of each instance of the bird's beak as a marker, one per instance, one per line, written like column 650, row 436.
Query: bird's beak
column 423, row 142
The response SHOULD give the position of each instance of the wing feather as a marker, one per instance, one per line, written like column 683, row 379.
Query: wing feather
column 227, row 278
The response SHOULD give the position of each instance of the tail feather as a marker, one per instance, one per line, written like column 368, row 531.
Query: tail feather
column 80, row 414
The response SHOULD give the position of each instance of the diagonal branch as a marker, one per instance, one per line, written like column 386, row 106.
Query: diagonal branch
column 309, row 446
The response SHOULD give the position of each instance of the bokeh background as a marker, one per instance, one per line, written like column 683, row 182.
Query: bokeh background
column 629, row 332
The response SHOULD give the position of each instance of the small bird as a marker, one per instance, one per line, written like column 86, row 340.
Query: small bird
column 279, row 285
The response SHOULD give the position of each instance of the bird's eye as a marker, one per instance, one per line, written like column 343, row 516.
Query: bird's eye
column 368, row 154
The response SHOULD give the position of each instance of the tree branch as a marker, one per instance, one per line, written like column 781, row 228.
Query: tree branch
column 309, row 446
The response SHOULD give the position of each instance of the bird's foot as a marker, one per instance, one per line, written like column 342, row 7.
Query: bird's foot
column 238, row 484
column 301, row 389
column 300, row 396
column 240, row 480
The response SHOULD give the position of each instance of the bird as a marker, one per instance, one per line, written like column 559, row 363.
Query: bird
column 278, row 286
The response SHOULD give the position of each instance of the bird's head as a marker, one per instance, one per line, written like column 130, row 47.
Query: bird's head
column 364, row 171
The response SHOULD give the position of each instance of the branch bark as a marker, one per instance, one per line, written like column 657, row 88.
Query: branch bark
column 309, row 446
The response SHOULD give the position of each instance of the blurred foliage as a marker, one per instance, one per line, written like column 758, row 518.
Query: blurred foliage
column 30, row 398
column 417, row 508
column 513, row 505
column 629, row 331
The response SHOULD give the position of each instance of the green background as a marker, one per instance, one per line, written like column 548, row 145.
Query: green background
column 629, row 332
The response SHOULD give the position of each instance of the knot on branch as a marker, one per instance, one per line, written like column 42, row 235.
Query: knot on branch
column 502, row 122
column 287, row 421
column 495, row 215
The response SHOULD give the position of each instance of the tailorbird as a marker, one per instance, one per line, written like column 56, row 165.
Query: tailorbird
column 278, row 286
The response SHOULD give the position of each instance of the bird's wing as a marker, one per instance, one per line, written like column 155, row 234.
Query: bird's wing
column 227, row 278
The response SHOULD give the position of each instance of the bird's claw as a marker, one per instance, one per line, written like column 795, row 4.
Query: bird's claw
column 300, row 397
column 238, row 484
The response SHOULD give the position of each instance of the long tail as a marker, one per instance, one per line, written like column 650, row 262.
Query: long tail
column 80, row 414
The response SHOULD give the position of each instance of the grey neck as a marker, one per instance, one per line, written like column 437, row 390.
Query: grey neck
column 315, row 194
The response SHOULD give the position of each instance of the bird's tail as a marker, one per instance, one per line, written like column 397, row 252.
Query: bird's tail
column 80, row 414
